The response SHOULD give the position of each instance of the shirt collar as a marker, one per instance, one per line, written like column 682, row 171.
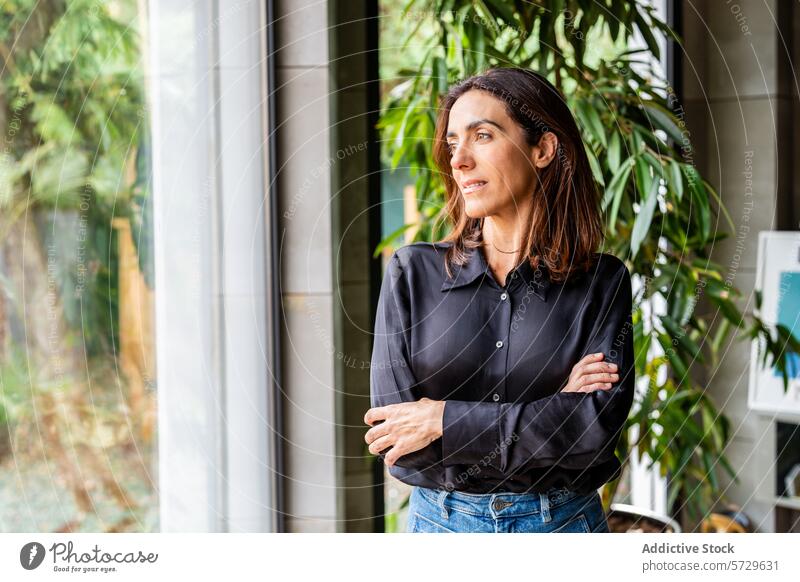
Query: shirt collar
column 537, row 280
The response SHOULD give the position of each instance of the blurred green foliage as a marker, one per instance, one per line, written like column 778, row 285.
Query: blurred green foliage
column 74, row 119
column 73, row 158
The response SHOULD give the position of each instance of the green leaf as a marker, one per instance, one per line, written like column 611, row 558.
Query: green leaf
column 637, row 145
column 107, row 177
column 409, row 111
column 676, row 179
column 614, row 152
column 643, row 179
column 595, row 166
column 678, row 333
column 678, row 366
column 646, row 32
column 700, row 199
column 717, row 436
column 440, row 75
column 504, row 10
column 635, row 51
column 729, row 310
column 53, row 123
column 710, row 473
column 662, row 119
column 721, row 334
column 614, row 192
column 592, row 121
column 58, row 177
column 723, row 460
column 721, row 206
column 478, row 41
column 643, row 219
column 500, row 57
column 390, row 239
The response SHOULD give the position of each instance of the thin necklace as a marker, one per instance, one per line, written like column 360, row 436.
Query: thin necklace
column 504, row 252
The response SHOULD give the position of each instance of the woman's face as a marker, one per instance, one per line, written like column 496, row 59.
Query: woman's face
column 493, row 165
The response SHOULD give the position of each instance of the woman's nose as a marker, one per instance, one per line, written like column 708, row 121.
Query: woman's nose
column 461, row 159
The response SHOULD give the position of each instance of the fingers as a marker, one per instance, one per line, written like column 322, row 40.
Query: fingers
column 593, row 364
column 592, row 373
column 598, row 367
column 391, row 457
column 581, row 381
column 588, row 387
column 376, row 414
column 592, row 382
column 599, row 378
column 590, row 359
column 381, row 444
column 376, row 432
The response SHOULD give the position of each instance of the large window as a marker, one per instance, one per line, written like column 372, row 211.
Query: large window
column 78, row 430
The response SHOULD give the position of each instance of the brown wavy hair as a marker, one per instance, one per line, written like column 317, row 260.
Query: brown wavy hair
column 565, row 226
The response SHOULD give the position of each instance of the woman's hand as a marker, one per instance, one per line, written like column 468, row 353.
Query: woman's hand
column 592, row 374
column 405, row 427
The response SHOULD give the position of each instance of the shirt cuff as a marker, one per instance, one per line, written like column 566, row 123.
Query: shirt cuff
column 470, row 433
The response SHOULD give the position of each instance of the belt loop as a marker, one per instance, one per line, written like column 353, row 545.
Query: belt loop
column 440, row 501
column 544, row 502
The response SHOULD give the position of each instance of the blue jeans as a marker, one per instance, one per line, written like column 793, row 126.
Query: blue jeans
column 559, row 510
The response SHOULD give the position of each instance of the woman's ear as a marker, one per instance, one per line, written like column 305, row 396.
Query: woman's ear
column 543, row 153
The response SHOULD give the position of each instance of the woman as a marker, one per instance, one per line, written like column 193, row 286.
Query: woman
column 502, row 368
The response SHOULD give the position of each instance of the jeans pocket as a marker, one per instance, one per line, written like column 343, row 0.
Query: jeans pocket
column 581, row 514
column 419, row 523
column 596, row 515
column 425, row 514
column 576, row 524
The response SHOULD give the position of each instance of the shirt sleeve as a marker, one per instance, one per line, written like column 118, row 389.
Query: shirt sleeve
column 392, row 380
column 573, row 430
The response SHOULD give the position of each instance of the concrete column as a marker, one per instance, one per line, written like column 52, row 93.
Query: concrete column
column 306, row 251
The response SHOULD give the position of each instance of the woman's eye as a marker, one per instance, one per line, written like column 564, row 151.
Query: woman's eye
column 486, row 135
column 451, row 147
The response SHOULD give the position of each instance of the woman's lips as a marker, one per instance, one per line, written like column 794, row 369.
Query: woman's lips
column 473, row 187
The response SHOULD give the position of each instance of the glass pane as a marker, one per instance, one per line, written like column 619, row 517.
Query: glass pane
column 77, row 345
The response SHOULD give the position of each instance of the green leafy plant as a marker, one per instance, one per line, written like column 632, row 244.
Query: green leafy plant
column 661, row 216
column 71, row 107
column 72, row 115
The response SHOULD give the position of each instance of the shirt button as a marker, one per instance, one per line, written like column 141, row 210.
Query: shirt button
column 513, row 275
column 496, row 397
column 504, row 296
column 499, row 344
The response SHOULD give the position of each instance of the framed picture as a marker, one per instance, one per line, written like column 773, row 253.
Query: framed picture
column 778, row 279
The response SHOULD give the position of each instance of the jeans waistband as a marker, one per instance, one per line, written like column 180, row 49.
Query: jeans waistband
column 501, row 504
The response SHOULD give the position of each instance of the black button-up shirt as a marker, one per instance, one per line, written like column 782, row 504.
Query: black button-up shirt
column 500, row 356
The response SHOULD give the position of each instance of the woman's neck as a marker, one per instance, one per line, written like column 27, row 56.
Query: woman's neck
column 504, row 234
column 503, row 239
